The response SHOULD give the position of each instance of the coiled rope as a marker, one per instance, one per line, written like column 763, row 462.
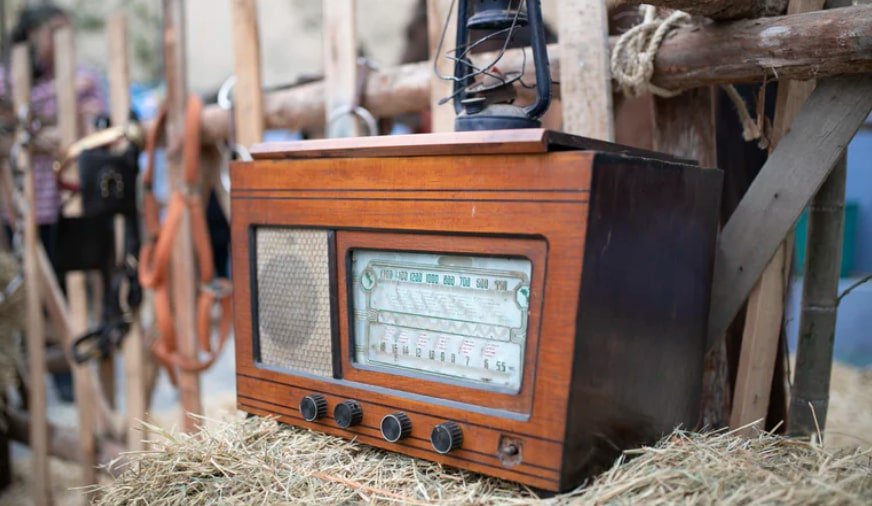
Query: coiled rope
column 632, row 65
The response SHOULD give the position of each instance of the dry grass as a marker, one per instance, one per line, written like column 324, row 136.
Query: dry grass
column 260, row 461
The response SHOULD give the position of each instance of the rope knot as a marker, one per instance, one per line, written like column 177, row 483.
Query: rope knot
column 633, row 57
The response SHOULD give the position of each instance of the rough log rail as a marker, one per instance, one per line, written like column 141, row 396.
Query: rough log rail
column 797, row 46
column 716, row 9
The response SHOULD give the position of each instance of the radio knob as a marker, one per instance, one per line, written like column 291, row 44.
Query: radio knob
column 446, row 437
column 395, row 427
column 313, row 407
column 347, row 414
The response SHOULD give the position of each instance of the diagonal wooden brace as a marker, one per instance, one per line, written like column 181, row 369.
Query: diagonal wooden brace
column 786, row 183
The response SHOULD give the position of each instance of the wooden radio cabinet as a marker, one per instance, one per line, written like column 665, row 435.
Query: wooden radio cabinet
column 523, row 304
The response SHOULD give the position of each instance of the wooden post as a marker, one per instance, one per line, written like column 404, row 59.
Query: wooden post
column 585, row 78
column 35, row 325
column 182, row 273
column 248, row 92
column 684, row 126
column 340, row 68
column 68, row 127
column 133, row 348
column 765, row 313
column 817, row 319
column 442, row 116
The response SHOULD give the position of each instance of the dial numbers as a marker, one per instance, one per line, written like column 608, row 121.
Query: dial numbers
column 444, row 316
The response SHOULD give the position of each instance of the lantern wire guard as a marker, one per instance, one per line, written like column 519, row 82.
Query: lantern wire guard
column 483, row 95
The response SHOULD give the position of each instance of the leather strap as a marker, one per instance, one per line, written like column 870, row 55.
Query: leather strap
column 98, row 139
column 155, row 256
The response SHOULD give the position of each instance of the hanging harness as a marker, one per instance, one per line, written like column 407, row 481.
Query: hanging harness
column 156, row 253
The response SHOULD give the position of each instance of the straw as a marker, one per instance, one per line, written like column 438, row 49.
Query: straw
column 259, row 461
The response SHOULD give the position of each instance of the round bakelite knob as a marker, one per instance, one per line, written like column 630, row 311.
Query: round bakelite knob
column 395, row 427
column 446, row 437
column 347, row 414
column 313, row 407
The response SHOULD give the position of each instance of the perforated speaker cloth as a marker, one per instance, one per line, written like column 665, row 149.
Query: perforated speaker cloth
column 293, row 299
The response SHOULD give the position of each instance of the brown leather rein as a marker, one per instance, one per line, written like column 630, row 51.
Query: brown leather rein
column 155, row 256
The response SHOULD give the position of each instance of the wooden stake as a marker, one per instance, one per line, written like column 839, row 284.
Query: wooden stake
column 248, row 92
column 340, row 68
column 585, row 78
column 817, row 320
column 437, row 13
column 68, row 127
column 35, row 326
column 133, row 348
column 183, row 284
column 765, row 313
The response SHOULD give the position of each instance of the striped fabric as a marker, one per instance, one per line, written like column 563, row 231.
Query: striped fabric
column 92, row 101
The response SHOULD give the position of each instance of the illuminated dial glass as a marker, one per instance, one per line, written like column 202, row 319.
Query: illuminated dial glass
column 443, row 317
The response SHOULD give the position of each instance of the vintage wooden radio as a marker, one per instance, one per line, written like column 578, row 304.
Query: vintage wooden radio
column 518, row 303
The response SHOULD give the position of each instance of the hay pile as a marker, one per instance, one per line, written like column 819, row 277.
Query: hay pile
column 260, row 461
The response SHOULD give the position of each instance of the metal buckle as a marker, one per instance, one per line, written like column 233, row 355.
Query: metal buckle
column 218, row 288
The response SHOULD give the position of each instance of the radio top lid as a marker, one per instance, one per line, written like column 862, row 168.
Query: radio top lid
column 487, row 142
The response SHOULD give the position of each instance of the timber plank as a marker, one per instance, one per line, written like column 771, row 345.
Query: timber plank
column 585, row 78
column 247, row 93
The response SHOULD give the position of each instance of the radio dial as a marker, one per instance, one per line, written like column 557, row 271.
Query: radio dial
column 313, row 407
column 446, row 437
column 347, row 414
column 395, row 427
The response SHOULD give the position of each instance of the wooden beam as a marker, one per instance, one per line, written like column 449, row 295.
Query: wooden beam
column 438, row 11
column 133, row 347
column 585, row 78
column 68, row 126
column 684, row 127
column 786, row 183
column 182, row 278
column 248, row 91
column 340, row 68
column 717, row 9
column 41, row 492
column 765, row 313
column 799, row 46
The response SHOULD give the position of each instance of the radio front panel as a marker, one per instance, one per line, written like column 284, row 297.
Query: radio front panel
column 477, row 310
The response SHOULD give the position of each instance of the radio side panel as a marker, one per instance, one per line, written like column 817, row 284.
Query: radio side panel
column 645, row 291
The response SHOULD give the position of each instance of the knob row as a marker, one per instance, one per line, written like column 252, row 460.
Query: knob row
column 445, row 437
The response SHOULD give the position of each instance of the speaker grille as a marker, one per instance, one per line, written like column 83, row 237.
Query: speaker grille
column 293, row 300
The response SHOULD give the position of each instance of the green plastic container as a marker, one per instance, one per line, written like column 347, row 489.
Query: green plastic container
column 848, row 246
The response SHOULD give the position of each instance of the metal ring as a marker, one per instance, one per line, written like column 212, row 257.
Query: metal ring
column 367, row 117
column 225, row 93
column 241, row 153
